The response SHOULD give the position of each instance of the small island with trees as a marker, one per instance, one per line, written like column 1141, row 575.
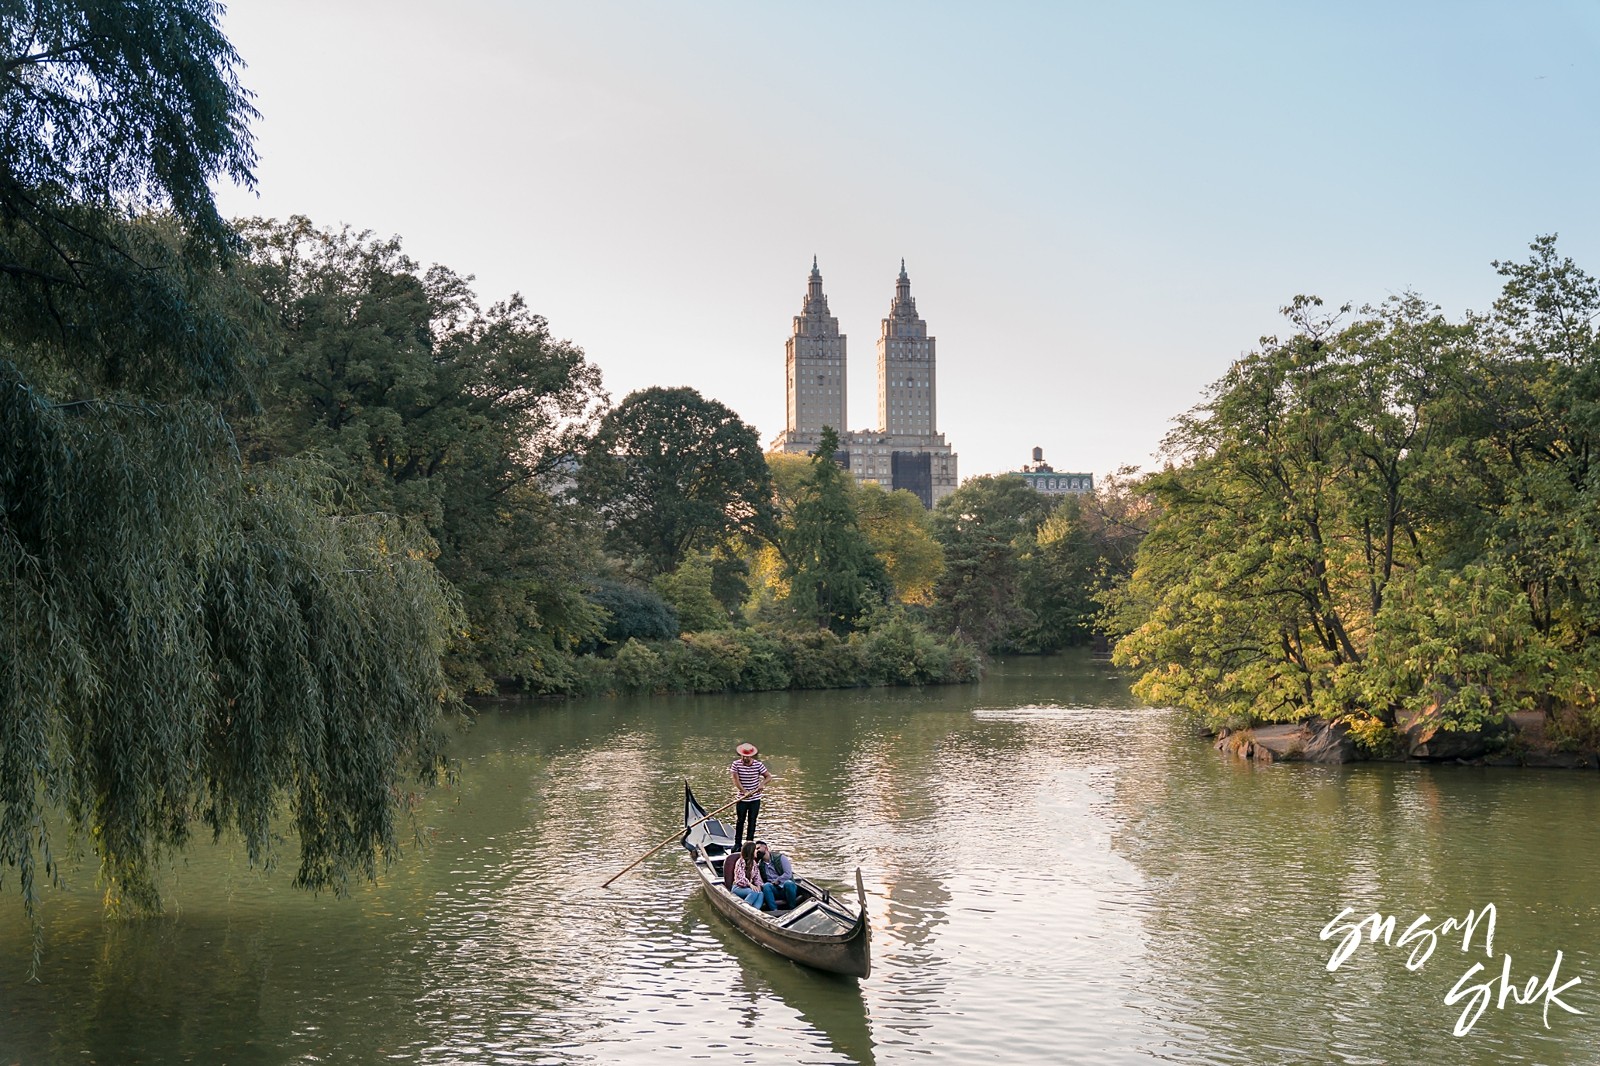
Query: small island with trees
column 1385, row 525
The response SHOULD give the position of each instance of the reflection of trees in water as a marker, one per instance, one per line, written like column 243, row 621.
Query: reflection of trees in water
column 268, row 979
column 915, row 906
column 531, row 952
column 1244, row 864
column 496, row 933
column 158, row 990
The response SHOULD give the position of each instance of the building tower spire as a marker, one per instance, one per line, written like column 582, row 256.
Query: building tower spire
column 906, row 451
column 907, row 393
column 816, row 302
column 816, row 379
column 903, row 306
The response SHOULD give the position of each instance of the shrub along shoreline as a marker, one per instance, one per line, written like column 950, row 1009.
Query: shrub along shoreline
column 763, row 659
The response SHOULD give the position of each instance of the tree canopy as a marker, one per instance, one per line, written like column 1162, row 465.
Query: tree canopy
column 434, row 408
column 119, row 107
column 897, row 529
column 111, row 113
column 672, row 472
column 1078, row 554
column 191, row 639
column 986, row 527
column 834, row 577
column 1387, row 516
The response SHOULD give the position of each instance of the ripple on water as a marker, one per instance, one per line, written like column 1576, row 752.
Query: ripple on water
column 1042, row 889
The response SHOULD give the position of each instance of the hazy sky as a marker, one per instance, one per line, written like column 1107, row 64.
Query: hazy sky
column 1100, row 205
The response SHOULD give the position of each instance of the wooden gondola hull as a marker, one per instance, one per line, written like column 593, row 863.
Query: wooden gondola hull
column 845, row 948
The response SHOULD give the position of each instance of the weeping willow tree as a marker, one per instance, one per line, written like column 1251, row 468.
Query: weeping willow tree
column 187, row 643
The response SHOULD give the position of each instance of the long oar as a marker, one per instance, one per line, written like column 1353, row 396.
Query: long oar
column 674, row 837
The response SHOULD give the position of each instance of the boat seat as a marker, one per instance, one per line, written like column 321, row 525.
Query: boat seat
column 812, row 889
column 800, row 910
column 820, row 920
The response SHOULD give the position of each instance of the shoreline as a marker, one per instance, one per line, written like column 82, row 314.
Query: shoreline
column 1520, row 741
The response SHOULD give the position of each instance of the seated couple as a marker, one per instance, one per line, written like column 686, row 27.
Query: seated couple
column 761, row 877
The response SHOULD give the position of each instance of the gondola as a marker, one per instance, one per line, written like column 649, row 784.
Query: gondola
column 820, row 930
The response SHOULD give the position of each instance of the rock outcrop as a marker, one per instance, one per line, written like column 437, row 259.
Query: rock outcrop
column 1310, row 741
column 1423, row 736
column 1521, row 740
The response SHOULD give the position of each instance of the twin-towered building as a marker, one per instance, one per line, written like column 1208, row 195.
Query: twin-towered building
column 906, row 451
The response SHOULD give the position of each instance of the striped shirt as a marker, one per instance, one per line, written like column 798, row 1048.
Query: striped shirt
column 749, row 777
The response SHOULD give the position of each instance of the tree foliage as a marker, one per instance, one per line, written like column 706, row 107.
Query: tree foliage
column 1304, row 487
column 897, row 529
column 672, row 472
column 432, row 407
column 690, row 591
column 986, row 528
column 631, row 612
column 111, row 112
column 119, row 107
column 189, row 641
column 1388, row 516
column 1079, row 552
column 833, row 575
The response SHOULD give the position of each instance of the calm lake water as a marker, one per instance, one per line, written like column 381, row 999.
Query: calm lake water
column 1054, row 874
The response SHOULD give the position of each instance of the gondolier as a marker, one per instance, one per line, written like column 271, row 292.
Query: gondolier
column 749, row 774
column 819, row 929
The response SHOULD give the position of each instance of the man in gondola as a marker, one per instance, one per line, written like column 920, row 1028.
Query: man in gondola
column 778, row 872
column 749, row 776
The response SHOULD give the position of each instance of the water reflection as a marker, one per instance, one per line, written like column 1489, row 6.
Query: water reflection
column 1245, row 864
column 828, row 1013
column 1053, row 875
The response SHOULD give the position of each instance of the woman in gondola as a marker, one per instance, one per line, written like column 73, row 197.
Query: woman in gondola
column 747, row 881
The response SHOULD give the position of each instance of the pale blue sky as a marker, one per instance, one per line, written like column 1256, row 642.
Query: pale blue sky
column 1100, row 206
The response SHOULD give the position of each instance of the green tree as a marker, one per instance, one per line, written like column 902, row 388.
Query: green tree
column 1537, row 407
column 631, row 612
column 110, row 113
column 834, row 577
column 672, row 472
column 188, row 641
column 1526, row 489
column 689, row 590
column 1305, row 485
column 107, row 108
column 897, row 528
column 1061, row 575
column 432, row 407
column 1080, row 552
column 1457, row 644
column 730, row 578
column 986, row 528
